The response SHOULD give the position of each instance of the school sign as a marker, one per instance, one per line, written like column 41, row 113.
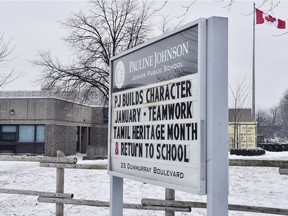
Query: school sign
column 158, row 111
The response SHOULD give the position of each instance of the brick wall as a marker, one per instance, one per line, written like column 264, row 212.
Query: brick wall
column 99, row 141
column 60, row 137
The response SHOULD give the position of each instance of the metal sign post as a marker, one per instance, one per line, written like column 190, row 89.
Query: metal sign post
column 217, row 116
column 116, row 196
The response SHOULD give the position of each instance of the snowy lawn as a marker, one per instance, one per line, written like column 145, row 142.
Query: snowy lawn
column 248, row 186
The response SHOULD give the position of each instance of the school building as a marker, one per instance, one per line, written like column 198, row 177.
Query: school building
column 242, row 129
column 42, row 125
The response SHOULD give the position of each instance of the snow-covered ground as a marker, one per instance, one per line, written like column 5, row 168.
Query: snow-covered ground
column 248, row 185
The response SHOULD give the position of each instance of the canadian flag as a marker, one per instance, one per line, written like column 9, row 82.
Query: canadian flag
column 262, row 17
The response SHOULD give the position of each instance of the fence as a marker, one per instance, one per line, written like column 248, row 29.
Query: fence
column 283, row 170
column 169, row 205
column 60, row 198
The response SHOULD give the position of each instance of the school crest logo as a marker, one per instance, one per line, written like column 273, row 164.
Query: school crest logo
column 120, row 74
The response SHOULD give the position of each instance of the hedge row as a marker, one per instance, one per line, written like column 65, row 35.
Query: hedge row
column 247, row 152
column 274, row 147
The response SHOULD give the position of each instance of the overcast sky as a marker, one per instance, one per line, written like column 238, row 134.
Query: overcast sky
column 34, row 26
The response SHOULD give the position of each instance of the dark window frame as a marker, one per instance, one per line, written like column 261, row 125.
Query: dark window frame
column 14, row 134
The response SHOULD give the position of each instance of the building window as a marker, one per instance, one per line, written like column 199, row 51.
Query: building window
column 89, row 136
column 26, row 133
column 105, row 114
column 8, row 133
column 40, row 133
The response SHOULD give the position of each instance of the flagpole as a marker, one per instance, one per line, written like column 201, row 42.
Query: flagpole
column 253, row 67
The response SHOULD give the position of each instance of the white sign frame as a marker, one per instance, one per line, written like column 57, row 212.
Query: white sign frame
column 200, row 188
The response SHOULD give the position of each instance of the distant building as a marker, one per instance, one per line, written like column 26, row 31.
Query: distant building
column 31, row 123
column 242, row 132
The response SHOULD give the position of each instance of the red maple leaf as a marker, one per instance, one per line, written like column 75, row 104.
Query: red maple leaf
column 270, row 19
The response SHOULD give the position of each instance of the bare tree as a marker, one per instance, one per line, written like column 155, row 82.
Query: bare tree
column 239, row 100
column 268, row 121
column 5, row 52
column 107, row 29
column 186, row 5
column 284, row 113
column 168, row 23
